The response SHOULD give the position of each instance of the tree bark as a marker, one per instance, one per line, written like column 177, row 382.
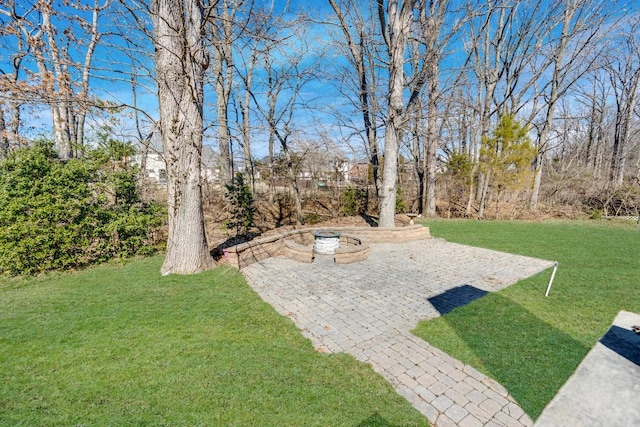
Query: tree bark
column 431, row 157
column 400, row 17
column 4, row 138
column 432, row 18
column 181, row 61
column 245, row 109
column 627, row 98
column 223, row 70
column 62, row 90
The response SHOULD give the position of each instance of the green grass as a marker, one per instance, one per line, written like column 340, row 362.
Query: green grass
column 529, row 343
column 123, row 346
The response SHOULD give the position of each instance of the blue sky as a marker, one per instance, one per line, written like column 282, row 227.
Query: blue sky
column 110, row 77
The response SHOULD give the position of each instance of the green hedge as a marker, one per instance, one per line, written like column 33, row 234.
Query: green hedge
column 58, row 215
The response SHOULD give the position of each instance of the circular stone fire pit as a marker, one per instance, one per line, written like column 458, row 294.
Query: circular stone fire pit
column 326, row 242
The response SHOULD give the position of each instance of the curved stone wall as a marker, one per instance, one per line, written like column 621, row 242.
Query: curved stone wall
column 244, row 254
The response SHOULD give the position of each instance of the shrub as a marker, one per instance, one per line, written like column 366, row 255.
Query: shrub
column 353, row 201
column 312, row 218
column 401, row 205
column 242, row 207
column 595, row 213
column 57, row 215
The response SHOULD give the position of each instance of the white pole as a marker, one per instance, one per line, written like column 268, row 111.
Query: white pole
column 555, row 268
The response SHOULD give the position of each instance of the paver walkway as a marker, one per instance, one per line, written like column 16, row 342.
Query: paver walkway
column 367, row 309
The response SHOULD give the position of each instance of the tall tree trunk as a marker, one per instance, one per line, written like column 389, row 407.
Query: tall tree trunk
column 272, row 169
column 14, row 124
column 291, row 171
column 398, row 32
column 432, row 18
column 81, row 109
column 223, row 127
column 246, row 122
column 390, row 171
column 4, row 137
column 418, row 162
column 537, row 179
column 623, row 126
column 597, row 157
column 246, row 143
column 474, row 158
column 61, row 89
column 223, row 75
column 484, row 195
column 272, row 139
column 431, row 156
column 593, row 125
column 181, row 61
column 472, row 189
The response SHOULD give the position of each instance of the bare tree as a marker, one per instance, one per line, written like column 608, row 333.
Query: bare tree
column 278, row 95
column 352, row 25
column 395, row 22
column 438, row 25
column 181, row 60
column 225, row 25
column 624, row 72
column 594, row 97
column 58, row 69
column 63, row 81
column 15, row 91
column 259, row 35
column 504, row 39
column 571, row 56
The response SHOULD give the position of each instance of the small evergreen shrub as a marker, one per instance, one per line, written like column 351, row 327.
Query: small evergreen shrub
column 401, row 205
column 312, row 218
column 242, row 207
column 58, row 215
column 596, row 214
column 353, row 201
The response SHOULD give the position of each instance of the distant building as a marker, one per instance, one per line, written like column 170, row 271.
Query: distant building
column 156, row 167
column 342, row 168
column 359, row 173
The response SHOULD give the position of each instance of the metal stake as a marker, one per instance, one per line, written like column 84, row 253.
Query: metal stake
column 555, row 268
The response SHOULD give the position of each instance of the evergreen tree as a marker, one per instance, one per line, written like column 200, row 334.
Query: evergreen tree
column 242, row 205
column 507, row 157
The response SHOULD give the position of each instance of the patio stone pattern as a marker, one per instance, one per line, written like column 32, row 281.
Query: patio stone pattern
column 368, row 309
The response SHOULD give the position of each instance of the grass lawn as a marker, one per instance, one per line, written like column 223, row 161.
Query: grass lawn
column 529, row 343
column 123, row 346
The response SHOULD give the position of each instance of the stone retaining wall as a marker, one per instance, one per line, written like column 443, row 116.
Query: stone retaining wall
column 298, row 252
column 352, row 249
column 244, row 254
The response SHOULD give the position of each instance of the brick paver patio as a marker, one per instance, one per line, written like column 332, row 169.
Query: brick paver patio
column 367, row 309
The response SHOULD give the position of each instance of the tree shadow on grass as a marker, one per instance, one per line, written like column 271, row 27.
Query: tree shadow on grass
column 531, row 358
column 456, row 297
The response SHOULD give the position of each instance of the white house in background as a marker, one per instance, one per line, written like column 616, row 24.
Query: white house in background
column 156, row 167
column 210, row 172
column 342, row 167
column 337, row 169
